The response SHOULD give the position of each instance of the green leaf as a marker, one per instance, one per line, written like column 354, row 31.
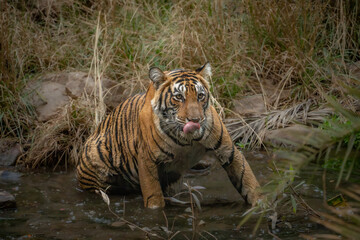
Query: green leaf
column 293, row 203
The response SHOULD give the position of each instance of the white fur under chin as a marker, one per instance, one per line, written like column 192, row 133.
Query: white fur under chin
column 194, row 135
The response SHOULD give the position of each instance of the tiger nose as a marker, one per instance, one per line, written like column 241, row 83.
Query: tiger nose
column 195, row 120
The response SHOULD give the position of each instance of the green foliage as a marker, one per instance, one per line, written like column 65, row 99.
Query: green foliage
column 241, row 145
column 335, row 163
column 337, row 121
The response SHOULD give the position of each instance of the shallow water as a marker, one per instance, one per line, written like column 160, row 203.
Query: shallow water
column 50, row 206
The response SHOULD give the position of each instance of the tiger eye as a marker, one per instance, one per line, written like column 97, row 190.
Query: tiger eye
column 201, row 96
column 179, row 97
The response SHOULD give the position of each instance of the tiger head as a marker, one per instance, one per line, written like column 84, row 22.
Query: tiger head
column 181, row 101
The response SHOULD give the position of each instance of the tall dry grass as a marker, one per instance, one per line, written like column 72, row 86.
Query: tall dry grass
column 289, row 51
column 302, row 46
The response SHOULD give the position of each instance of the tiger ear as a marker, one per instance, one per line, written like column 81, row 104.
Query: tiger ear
column 156, row 76
column 204, row 71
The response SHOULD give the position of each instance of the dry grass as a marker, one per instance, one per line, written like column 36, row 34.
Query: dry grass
column 300, row 45
column 58, row 142
column 289, row 51
column 251, row 131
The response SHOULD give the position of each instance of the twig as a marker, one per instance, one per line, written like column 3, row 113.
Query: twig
column 273, row 235
column 302, row 202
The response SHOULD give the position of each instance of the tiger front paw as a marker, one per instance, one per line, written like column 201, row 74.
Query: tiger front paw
column 155, row 202
column 253, row 197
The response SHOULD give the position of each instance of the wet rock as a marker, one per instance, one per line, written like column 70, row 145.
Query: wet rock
column 295, row 134
column 218, row 188
column 50, row 93
column 204, row 164
column 250, row 105
column 9, row 151
column 6, row 200
column 7, row 176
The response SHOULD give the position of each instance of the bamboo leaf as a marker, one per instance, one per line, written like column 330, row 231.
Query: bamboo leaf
column 293, row 203
column 105, row 197
column 197, row 202
column 348, row 150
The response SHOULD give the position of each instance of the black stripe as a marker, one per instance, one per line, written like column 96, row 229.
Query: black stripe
column 170, row 155
column 109, row 149
column 124, row 173
column 102, row 158
column 241, row 178
column 117, row 119
column 186, row 75
column 128, row 169
column 143, row 103
column 84, row 170
column 176, row 71
column 107, row 123
column 83, row 175
column 159, row 103
column 89, row 181
column 129, row 120
column 206, row 103
column 218, row 144
column 88, row 188
column 231, row 158
column 135, row 128
column 132, row 110
column 88, row 161
column 193, row 78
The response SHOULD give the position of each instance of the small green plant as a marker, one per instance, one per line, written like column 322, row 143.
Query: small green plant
column 336, row 121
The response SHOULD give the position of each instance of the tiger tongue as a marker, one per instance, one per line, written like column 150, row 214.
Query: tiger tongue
column 191, row 127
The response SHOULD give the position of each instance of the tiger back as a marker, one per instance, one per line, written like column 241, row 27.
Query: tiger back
column 150, row 140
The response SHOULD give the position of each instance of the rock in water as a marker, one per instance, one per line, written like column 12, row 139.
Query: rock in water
column 9, row 151
column 6, row 200
column 8, row 176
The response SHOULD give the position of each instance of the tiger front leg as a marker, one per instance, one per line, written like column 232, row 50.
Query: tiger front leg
column 242, row 177
column 150, row 185
column 231, row 159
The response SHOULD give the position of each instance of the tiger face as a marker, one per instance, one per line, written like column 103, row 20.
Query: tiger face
column 181, row 102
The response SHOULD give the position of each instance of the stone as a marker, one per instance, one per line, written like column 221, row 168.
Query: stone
column 250, row 105
column 8, row 176
column 51, row 92
column 7, row 200
column 218, row 188
column 295, row 134
column 9, row 151
column 203, row 165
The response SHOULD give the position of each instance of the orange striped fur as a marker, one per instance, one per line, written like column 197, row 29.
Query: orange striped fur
column 142, row 144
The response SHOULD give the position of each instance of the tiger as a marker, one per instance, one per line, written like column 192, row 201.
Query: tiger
column 149, row 140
